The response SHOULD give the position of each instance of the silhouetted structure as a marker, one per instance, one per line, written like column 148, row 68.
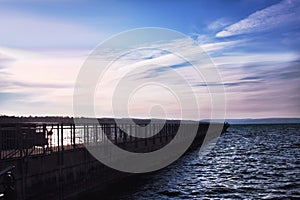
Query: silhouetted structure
column 68, row 169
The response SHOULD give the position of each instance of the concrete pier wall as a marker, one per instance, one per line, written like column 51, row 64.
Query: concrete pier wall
column 66, row 173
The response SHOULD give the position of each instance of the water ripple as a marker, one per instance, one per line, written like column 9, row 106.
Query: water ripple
column 248, row 162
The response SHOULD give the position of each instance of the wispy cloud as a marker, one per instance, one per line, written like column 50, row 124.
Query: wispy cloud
column 218, row 24
column 46, row 78
column 38, row 81
column 221, row 46
column 237, row 60
column 281, row 14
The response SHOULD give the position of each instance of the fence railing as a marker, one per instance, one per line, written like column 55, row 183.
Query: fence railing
column 29, row 139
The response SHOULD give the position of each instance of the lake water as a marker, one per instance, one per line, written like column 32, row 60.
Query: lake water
column 248, row 162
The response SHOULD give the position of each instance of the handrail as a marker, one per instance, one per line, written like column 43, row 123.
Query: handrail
column 7, row 169
column 9, row 191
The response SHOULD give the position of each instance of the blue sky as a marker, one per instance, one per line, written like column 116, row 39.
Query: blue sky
column 255, row 45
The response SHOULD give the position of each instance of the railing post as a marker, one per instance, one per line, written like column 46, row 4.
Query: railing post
column 166, row 130
column 87, row 134
column 124, row 133
column 84, row 134
column 136, row 136
column 155, row 135
column 130, row 132
column 103, row 132
column 62, row 137
column 71, row 135
column 96, row 132
column 45, row 136
column 146, row 134
column 74, row 137
column 57, row 130
column 160, row 132
column 116, row 135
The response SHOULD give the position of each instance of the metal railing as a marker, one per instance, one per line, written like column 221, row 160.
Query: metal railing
column 28, row 139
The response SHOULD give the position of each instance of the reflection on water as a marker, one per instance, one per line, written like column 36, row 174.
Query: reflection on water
column 250, row 161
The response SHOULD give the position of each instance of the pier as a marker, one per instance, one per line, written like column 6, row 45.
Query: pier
column 48, row 159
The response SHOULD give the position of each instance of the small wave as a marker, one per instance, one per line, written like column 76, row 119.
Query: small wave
column 172, row 193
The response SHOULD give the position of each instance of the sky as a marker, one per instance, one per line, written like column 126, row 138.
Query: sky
column 254, row 44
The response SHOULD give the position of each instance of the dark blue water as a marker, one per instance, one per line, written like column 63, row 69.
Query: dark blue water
column 250, row 161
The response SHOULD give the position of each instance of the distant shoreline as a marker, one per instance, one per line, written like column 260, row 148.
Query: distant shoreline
column 264, row 121
column 5, row 118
